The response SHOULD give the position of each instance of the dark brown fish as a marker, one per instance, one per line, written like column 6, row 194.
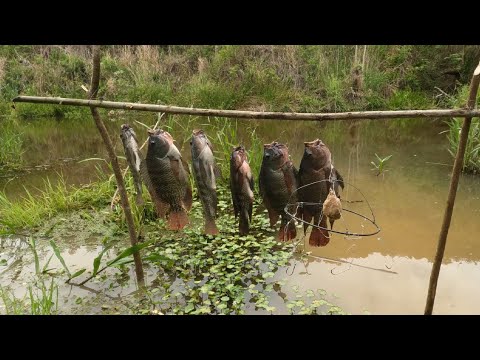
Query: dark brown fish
column 205, row 172
column 241, row 186
column 134, row 158
column 277, row 181
column 316, row 165
column 168, row 175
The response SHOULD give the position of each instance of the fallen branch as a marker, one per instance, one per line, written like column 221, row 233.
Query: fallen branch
column 361, row 115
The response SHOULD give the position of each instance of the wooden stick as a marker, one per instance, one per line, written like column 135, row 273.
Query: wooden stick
column 115, row 166
column 361, row 115
column 457, row 169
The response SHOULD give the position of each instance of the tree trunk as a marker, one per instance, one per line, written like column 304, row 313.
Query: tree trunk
column 114, row 162
column 457, row 168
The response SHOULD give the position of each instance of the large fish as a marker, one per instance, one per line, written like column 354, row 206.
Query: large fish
column 241, row 186
column 168, row 176
column 277, row 181
column 205, row 173
column 316, row 165
column 134, row 158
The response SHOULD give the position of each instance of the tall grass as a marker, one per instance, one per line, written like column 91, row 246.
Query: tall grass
column 11, row 142
column 471, row 163
column 33, row 210
column 40, row 299
column 282, row 78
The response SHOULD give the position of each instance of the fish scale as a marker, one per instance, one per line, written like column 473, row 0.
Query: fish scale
column 204, row 169
column 168, row 176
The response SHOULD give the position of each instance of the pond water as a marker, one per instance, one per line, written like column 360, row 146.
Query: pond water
column 387, row 273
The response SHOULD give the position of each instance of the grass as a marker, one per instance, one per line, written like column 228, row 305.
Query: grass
column 12, row 140
column 282, row 78
column 471, row 162
column 33, row 210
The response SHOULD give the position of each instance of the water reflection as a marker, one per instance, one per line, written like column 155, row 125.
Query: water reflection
column 408, row 203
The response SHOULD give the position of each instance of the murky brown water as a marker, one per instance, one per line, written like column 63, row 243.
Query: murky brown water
column 408, row 203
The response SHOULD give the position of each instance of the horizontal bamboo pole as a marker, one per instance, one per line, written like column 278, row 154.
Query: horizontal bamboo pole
column 361, row 115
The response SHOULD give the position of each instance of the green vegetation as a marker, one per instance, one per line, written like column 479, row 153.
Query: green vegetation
column 281, row 78
column 380, row 167
column 276, row 78
column 221, row 274
column 471, row 163
column 34, row 210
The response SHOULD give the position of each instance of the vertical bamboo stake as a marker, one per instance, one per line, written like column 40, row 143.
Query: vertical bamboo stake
column 457, row 168
column 114, row 161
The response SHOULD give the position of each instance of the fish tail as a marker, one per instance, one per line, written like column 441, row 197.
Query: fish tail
column 244, row 225
column 307, row 217
column 319, row 237
column 287, row 231
column 177, row 219
column 211, row 227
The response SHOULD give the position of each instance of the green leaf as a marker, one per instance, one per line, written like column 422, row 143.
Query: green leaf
column 45, row 267
column 129, row 251
column 35, row 255
column 189, row 308
column 56, row 250
column 78, row 273
column 268, row 275
column 3, row 262
column 222, row 306
column 97, row 260
column 225, row 298
column 123, row 261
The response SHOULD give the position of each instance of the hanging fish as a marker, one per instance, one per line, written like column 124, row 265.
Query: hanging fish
column 205, row 172
column 241, row 186
column 168, row 175
column 277, row 181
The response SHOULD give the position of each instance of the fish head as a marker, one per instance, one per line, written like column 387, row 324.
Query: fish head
column 127, row 133
column 159, row 142
column 198, row 142
column 317, row 153
column 275, row 153
column 238, row 156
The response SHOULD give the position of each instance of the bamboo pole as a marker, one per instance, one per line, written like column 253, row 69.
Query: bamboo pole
column 452, row 192
column 116, row 167
column 360, row 115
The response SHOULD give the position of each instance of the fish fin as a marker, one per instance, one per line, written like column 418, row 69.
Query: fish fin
column 188, row 198
column 236, row 205
column 217, row 171
column 340, row 178
column 139, row 199
column 287, row 231
column 244, row 224
column 272, row 214
column 307, row 218
column 250, row 211
column 185, row 166
column 319, row 237
column 211, row 228
column 177, row 220
column 251, row 180
column 176, row 166
column 290, row 177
